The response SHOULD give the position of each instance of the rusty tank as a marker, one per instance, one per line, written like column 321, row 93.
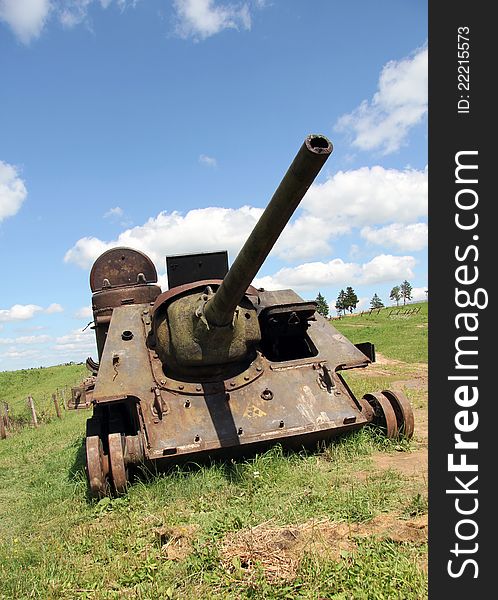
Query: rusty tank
column 82, row 394
column 215, row 367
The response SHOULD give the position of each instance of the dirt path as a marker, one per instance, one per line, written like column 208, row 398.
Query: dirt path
column 414, row 463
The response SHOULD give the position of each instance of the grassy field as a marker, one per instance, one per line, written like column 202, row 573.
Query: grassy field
column 343, row 522
column 397, row 335
column 41, row 384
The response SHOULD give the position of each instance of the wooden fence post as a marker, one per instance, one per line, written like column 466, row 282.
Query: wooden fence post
column 3, row 432
column 31, row 404
column 6, row 419
column 57, row 407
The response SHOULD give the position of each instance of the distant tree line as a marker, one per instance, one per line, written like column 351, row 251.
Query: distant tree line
column 347, row 300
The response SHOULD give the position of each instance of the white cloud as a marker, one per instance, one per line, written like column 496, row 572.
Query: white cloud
column 26, row 18
column 54, row 308
column 75, row 12
column 208, row 161
column 26, row 339
column 196, row 19
column 76, row 340
column 117, row 215
column 306, row 237
column 117, row 211
column 358, row 198
column 200, row 19
column 369, row 196
column 23, row 312
column 30, row 328
column 400, row 103
column 14, row 353
column 84, row 312
column 19, row 312
column 382, row 268
column 86, row 250
column 352, row 199
column 418, row 293
column 386, row 267
column 410, row 238
column 310, row 275
column 12, row 189
column 199, row 230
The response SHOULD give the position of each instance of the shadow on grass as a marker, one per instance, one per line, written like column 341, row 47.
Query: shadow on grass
column 77, row 470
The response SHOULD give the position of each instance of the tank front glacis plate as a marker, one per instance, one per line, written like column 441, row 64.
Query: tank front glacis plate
column 282, row 403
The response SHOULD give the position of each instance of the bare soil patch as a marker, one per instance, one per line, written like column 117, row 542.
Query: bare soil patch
column 380, row 359
column 381, row 366
column 412, row 464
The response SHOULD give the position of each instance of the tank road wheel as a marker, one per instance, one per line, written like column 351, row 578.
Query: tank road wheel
column 119, row 472
column 384, row 415
column 403, row 411
column 366, row 409
column 96, row 467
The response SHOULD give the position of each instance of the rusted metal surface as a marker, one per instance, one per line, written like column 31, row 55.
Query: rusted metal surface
column 121, row 267
column 214, row 367
column 164, row 298
column 384, row 415
column 120, row 276
column 403, row 411
column 117, row 463
column 96, row 466
column 92, row 365
column 186, row 268
column 82, row 395
column 106, row 300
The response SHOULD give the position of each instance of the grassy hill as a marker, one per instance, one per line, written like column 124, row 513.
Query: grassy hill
column 342, row 522
column 41, row 384
column 397, row 332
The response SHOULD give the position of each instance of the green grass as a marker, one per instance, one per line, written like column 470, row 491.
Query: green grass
column 400, row 337
column 57, row 543
column 41, row 384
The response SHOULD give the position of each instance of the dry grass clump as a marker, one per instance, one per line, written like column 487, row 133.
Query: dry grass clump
column 278, row 551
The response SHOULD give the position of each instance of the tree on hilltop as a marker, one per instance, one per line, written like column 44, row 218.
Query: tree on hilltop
column 395, row 294
column 351, row 299
column 340, row 303
column 406, row 291
column 376, row 302
column 322, row 306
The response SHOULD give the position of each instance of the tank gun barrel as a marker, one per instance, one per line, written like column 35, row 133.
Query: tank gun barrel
column 300, row 175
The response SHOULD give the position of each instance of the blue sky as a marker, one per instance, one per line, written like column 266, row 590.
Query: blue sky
column 166, row 125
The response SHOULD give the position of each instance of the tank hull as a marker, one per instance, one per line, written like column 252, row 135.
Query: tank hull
column 296, row 401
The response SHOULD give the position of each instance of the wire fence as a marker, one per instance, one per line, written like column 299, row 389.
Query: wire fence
column 405, row 310
column 36, row 411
